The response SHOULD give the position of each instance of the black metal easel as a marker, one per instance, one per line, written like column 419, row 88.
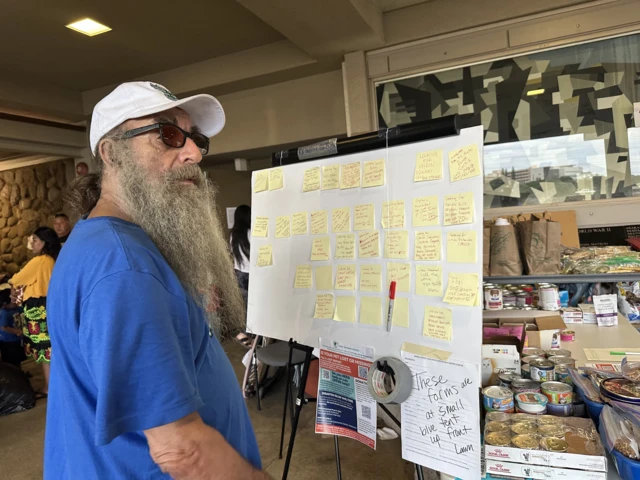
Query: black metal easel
column 300, row 401
column 419, row 471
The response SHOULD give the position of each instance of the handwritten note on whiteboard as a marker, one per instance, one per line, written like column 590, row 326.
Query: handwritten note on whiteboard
column 311, row 180
column 463, row 163
column 428, row 166
column 441, row 418
column 330, row 177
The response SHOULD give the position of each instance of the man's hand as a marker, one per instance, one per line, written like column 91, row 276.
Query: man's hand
column 190, row 450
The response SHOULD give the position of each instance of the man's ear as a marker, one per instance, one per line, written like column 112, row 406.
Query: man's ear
column 106, row 151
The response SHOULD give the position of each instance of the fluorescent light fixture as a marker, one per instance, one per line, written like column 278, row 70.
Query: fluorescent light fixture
column 531, row 93
column 88, row 27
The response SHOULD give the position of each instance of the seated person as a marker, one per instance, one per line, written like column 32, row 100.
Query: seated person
column 11, row 350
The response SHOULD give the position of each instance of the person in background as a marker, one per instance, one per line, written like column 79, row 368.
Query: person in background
column 135, row 318
column 11, row 350
column 240, row 234
column 62, row 226
column 33, row 283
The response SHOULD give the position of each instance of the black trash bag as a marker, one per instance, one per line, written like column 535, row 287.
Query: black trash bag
column 16, row 393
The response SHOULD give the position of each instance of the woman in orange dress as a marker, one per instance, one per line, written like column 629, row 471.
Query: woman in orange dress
column 33, row 282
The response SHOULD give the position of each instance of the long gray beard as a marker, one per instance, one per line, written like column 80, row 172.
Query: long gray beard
column 184, row 224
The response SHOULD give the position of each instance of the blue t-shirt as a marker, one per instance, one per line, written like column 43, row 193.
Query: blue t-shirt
column 131, row 350
column 6, row 320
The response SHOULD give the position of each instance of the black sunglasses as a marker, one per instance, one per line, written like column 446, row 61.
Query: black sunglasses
column 172, row 136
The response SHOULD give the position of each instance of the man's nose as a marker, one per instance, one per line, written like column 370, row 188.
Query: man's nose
column 190, row 153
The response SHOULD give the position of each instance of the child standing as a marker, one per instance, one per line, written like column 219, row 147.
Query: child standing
column 11, row 350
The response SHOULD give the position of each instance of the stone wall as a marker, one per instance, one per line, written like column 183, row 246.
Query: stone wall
column 29, row 198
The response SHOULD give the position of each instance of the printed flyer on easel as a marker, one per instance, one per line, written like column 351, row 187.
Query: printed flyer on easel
column 345, row 406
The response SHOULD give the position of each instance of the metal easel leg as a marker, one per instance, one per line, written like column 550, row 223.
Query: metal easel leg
column 255, row 371
column 300, row 401
column 419, row 471
column 337, row 448
column 286, row 401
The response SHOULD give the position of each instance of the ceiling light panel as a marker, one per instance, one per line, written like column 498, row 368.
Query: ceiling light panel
column 88, row 27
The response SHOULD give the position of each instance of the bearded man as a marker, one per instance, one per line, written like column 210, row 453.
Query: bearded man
column 140, row 386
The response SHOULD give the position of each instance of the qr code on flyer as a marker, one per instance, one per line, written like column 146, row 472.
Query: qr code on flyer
column 362, row 371
column 326, row 374
column 366, row 412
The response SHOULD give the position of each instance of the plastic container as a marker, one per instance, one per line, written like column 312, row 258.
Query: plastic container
column 594, row 409
column 627, row 468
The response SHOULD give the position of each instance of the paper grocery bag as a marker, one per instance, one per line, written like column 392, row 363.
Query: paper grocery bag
column 486, row 251
column 540, row 240
column 504, row 255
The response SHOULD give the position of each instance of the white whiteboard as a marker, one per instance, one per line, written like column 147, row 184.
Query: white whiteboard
column 277, row 310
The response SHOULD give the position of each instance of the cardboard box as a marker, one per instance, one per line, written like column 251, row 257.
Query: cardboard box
column 596, row 463
column 541, row 332
column 536, row 472
column 497, row 359
column 588, row 313
column 571, row 315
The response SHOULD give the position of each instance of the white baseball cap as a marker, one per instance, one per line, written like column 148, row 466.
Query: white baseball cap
column 139, row 99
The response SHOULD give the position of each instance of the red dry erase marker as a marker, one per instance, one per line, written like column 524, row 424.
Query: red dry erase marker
column 392, row 297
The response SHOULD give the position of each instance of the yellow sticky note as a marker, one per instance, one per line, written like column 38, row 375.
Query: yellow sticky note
column 373, row 175
column 363, row 217
column 371, row 310
column 321, row 249
column 428, row 166
column 341, row 220
column 369, row 245
column 311, row 180
column 401, row 273
column 438, row 323
column 324, row 306
column 260, row 181
column 324, row 277
column 461, row 246
column 428, row 281
column 458, row 208
column 330, row 177
column 350, row 175
column 346, row 277
column 276, row 179
column 260, row 227
column 346, row 246
column 393, row 214
column 462, row 289
column 464, row 163
column 396, row 244
column 345, row 309
column 425, row 211
column 370, row 278
column 303, row 277
column 265, row 256
column 400, row 315
column 428, row 245
column 428, row 352
column 299, row 223
column 283, row 226
column 319, row 222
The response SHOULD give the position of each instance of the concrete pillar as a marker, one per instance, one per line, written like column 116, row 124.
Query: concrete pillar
column 357, row 94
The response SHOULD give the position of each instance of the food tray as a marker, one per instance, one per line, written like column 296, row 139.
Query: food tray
column 583, row 449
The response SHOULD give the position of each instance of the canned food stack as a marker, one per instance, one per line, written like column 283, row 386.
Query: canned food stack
column 543, row 296
column 551, row 369
column 566, row 446
column 544, row 387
